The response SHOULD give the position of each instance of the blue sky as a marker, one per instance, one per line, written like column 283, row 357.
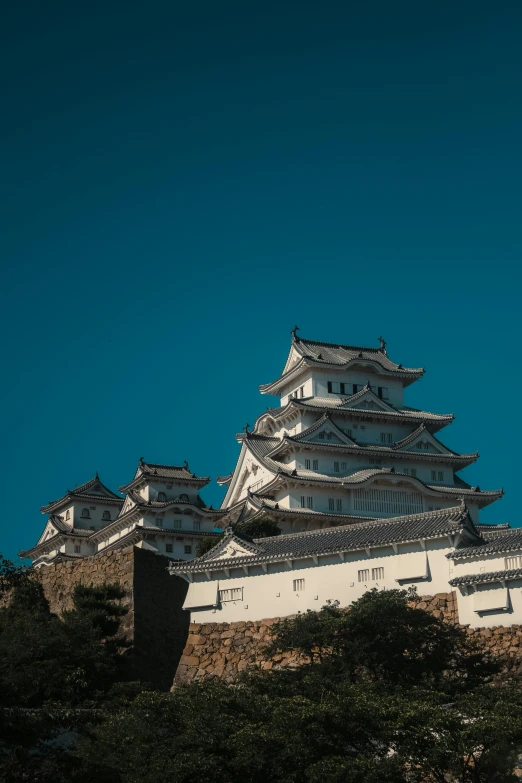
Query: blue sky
column 182, row 183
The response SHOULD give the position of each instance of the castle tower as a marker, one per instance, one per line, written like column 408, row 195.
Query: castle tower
column 72, row 521
column 342, row 446
column 162, row 511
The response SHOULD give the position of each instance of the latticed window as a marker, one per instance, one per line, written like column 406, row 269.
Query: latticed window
column 197, row 524
column 316, row 464
column 168, row 548
column 106, row 515
column 85, row 513
column 307, row 464
column 377, row 573
column 299, row 585
column 339, row 504
column 331, row 504
column 231, row 594
column 386, row 501
column 364, row 575
column 513, row 562
column 162, row 497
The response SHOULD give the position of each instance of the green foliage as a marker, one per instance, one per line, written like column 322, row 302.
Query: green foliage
column 259, row 528
column 11, row 575
column 207, row 543
column 53, row 671
column 386, row 694
column 384, row 639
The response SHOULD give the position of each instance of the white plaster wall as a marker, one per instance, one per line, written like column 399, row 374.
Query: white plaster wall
column 155, row 487
column 272, row 595
column 321, row 377
column 96, row 514
column 467, row 615
column 484, row 563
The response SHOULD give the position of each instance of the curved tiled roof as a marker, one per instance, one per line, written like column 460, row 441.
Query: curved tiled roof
column 321, row 354
column 82, row 492
column 397, row 449
column 506, row 540
column 405, row 413
column 155, row 470
column 431, row 524
column 492, row 576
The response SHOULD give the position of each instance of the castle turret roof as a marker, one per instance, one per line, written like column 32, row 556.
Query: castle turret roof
column 313, row 353
column 93, row 490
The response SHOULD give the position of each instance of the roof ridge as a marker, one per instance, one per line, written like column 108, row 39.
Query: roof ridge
column 462, row 510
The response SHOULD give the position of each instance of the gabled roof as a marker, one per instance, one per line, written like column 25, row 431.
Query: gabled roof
column 344, row 406
column 55, row 540
column 93, row 490
column 320, row 354
column 293, row 546
column 349, row 445
column 506, row 540
column 262, row 446
column 152, row 471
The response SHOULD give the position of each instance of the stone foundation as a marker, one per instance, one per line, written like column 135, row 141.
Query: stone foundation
column 226, row 649
column 155, row 624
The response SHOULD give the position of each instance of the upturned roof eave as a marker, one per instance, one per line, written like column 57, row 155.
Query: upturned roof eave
column 466, row 459
column 482, row 497
column 435, row 421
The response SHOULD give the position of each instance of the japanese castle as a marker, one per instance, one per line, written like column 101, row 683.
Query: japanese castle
column 361, row 485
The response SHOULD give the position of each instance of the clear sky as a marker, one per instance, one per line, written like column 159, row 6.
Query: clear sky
column 183, row 182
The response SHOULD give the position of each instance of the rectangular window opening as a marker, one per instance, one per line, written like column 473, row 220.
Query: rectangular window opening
column 299, row 585
column 377, row 574
column 363, row 575
column 231, row 594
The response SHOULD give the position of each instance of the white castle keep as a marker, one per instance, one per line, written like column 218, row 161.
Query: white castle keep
column 365, row 493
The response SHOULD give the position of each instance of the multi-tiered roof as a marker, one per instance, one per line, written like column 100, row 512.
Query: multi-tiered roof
column 343, row 446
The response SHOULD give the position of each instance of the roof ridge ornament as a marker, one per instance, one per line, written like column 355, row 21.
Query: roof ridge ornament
column 186, row 465
column 382, row 341
column 294, row 331
column 245, row 428
column 142, row 461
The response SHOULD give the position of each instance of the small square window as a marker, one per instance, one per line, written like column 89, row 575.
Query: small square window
column 299, row 585
column 364, row 575
column 377, row 574
column 188, row 549
column 168, row 548
column 77, row 549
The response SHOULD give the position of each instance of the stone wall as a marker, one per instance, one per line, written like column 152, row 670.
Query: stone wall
column 155, row 623
column 226, row 649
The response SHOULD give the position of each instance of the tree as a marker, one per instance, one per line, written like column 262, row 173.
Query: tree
column 383, row 638
column 54, row 673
